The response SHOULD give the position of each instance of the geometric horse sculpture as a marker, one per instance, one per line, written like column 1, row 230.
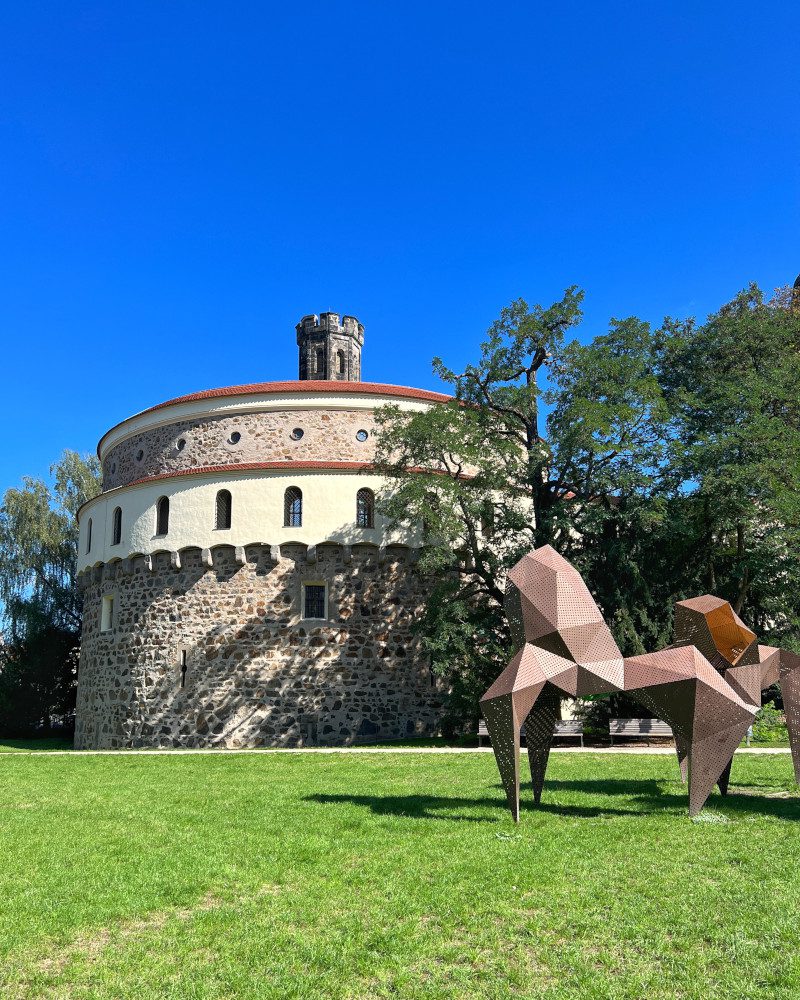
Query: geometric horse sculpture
column 562, row 645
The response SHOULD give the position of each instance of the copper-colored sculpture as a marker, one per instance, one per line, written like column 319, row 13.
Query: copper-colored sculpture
column 564, row 646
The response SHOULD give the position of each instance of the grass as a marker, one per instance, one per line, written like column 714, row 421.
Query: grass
column 392, row 876
column 29, row 746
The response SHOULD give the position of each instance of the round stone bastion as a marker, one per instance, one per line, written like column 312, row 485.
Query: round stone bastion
column 240, row 587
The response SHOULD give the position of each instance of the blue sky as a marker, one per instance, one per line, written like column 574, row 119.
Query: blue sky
column 180, row 182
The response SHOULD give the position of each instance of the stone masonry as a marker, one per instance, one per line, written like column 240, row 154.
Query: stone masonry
column 256, row 674
column 329, row 349
column 264, row 436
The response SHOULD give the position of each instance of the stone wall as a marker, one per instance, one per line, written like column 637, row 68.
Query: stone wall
column 256, row 673
column 239, row 438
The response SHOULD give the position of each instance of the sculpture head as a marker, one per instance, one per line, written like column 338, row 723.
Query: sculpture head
column 711, row 624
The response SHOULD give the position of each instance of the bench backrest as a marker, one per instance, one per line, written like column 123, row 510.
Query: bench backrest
column 570, row 727
column 639, row 727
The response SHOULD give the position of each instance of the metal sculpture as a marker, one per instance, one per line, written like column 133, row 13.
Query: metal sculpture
column 563, row 646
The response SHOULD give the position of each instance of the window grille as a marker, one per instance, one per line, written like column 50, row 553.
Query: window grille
column 365, row 509
column 116, row 526
column 162, row 516
column 223, row 511
column 314, row 600
column 293, row 508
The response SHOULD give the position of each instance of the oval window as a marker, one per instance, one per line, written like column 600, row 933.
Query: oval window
column 296, row 434
column 140, row 454
column 235, row 438
column 361, row 435
column 181, row 444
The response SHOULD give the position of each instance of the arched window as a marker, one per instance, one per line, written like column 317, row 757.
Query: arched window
column 340, row 361
column 116, row 526
column 223, row 513
column 320, row 361
column 293, row 508
column 162, row 516
column 365, row 508
column 89, row 536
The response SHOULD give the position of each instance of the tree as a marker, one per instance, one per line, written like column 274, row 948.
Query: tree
column 483, row 485
column 41, row 603
column 731, row 384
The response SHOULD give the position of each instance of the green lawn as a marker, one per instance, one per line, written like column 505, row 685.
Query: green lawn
column 332, row 876
column 20, row 746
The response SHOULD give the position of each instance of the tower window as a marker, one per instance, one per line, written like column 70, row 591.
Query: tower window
column 223, row 510
column 296, row 434
column 235, row 438
column 89, row 536
column 365, row 509
column 162, row 516
column 340, row 362
column 181, row 444
column 314, row 600
column 140, row 454
column 293, row 508
column 107, row 614
column 183, row 666
column 116, row 526
column 320, row 362
column 361, row 435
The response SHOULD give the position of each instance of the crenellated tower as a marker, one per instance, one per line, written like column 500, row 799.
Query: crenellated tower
column 330, row 349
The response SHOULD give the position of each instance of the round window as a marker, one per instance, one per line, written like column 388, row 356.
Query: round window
column 140, row 454
column 361, row 435
column 181, row 444
column 296, row 434
column 235, row 438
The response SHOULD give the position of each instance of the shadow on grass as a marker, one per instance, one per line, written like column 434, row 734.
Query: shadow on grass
column 646, row 796
column 35, row 745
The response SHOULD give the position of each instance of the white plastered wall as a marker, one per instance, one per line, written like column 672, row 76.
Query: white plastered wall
column 329, row 513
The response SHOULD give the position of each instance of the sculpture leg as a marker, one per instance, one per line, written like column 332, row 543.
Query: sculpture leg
column 539, row 728
column 682, row 747
column 680, row 686
column 790, row 690
column 709, row 759
column 505, row 707
column 724, row 779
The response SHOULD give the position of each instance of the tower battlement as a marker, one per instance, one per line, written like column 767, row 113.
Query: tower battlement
column 330, row 347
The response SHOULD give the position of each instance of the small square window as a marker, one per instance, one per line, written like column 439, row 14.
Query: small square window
column 107, row 614
column 314, row 600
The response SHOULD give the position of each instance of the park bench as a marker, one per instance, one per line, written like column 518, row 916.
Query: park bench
column 571, row 727
column 635, row 728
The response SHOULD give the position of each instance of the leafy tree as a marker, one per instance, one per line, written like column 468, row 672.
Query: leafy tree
column 41, row 603
column 668, row 465
column 731, row 384
column 482, row 483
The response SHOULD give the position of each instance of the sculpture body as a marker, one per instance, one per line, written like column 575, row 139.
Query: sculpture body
column 706, row 686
